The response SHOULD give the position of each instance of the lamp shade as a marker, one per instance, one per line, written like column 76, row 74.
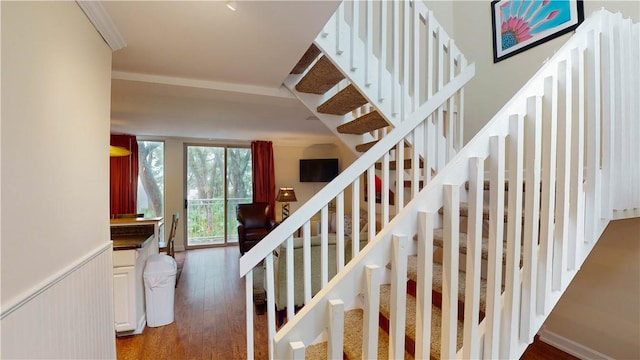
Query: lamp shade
column 286, row 195
column 115, row 151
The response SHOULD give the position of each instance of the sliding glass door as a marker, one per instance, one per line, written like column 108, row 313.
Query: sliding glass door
column 217, row 179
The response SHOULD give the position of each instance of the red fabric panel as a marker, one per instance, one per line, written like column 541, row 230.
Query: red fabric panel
column 264, row 179
column 123, row 176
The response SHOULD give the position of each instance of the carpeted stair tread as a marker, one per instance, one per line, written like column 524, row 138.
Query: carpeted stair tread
column 343, row 102
column 353, row 335
column 363, row 124
column 322, row 77
column 464, row 211
column 438, row 240
column 410, row 328
column 306, row 60
column 393, row 165
column 366, row 146
column 316, row 351
column 412, row 274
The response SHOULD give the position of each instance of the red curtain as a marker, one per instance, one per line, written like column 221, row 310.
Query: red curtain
column 264, row 180
column 124, row 176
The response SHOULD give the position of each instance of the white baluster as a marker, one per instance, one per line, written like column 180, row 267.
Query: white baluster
column 324, row 245
column 248, row 287
column 296, row 350
column 384, row 196
column 368, row 44
column 592, row 185
column 496, row 228
column 424, row 284
column 271, row 308
column 509, row 330
column 471, row 344
column 355, row 28
column 340, row 231
column 290, row 279
column 533, row 127
column 355, row 218
column 548, row 193
column 399, row 176
column 371, row 312
column 335, row 335
column 398, row 296
column 371, row 196
column 450, row 269
column 563, row 175
column 306, row 259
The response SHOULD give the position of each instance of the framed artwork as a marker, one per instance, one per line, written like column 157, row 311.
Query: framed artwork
column 518, row 25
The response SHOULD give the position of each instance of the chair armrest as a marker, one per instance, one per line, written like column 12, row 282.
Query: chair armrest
column 241, row 232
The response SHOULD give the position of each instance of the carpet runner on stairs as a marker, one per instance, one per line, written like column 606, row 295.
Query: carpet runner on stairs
column 353, row 335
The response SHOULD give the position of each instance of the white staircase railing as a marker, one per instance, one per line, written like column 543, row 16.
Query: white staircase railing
column 397, row 73
column 427, row 112
column 573, row 127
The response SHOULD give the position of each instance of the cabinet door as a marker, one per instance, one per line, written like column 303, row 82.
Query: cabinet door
column 124, row 294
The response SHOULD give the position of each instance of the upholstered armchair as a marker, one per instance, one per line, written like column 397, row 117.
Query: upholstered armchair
column 255, row 223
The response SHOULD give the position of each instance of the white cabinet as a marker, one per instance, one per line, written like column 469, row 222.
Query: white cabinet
column 128, row 287
column 134, row 240
column 124, row 291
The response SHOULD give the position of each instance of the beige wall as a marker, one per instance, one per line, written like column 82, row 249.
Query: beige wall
column 287, row 170
column 601, row 307
column 495, row 84
column 56, row 81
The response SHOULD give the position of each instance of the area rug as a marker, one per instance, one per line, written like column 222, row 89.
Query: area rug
column 180, row 257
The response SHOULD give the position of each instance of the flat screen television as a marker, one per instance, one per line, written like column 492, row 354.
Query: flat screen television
column 318, row 170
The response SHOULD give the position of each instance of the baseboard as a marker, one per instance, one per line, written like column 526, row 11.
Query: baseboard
column 569, row 346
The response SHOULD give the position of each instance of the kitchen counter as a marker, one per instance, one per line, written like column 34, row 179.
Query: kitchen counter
column 129, row 242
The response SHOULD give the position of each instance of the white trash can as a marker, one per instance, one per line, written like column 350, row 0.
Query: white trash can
column 159, row 289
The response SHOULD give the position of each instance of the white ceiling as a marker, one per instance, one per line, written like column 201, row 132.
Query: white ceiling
column 196, row 69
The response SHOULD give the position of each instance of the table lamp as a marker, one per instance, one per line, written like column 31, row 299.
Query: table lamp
column 285, row 196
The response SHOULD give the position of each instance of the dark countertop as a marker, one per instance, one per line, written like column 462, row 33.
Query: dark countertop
column 130, row 242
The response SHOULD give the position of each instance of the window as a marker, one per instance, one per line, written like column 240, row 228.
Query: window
column 151, row 178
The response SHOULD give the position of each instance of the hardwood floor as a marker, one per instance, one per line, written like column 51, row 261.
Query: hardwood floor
column 210, row 317
column 209, row 314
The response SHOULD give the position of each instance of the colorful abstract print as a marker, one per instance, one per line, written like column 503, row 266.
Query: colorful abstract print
column 521, row 19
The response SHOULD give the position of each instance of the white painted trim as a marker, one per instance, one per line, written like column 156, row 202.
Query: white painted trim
column 625, row 214
column 569, row 346
column 101, row 20
column 280, row 91
column 17, row 302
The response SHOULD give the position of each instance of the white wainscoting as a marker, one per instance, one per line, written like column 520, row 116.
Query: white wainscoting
column 69, row 316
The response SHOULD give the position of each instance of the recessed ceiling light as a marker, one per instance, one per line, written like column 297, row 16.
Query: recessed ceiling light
column 231, row 4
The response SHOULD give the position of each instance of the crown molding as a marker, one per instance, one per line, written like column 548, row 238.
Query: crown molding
column 103, row 23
